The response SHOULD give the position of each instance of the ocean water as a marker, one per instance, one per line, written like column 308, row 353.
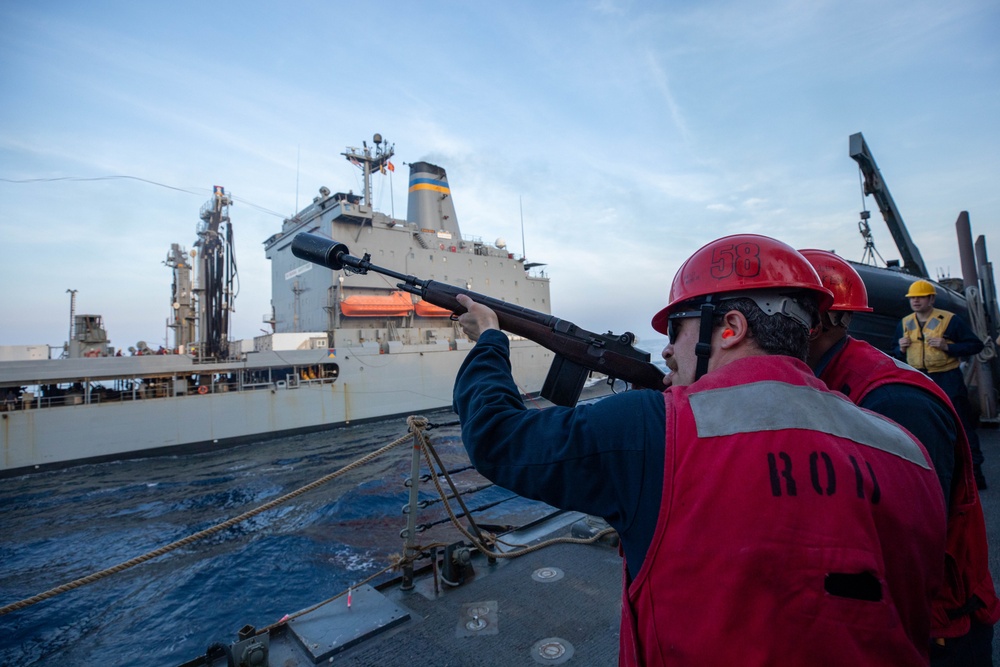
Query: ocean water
column 58, row 526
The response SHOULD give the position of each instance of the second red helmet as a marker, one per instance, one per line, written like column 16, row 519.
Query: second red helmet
column 838, row 276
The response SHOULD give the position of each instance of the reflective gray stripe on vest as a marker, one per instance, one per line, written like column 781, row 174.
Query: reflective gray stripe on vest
column 775, row 406
column 902, row 365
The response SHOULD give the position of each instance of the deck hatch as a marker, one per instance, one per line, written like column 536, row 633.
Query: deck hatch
column 335, row 627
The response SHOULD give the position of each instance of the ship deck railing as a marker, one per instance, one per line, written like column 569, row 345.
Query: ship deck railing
column 163, row 389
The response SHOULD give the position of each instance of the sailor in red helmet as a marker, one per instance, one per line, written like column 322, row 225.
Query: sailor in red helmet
column 764, row 520
column 967, row 606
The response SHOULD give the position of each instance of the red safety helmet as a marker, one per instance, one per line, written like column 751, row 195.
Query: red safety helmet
column 741, row 263
column 849, row 291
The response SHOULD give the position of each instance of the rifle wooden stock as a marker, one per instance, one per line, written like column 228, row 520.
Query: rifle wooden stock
column 577, row 350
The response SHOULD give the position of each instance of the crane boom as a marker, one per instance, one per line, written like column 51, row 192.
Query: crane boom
column 875, row 185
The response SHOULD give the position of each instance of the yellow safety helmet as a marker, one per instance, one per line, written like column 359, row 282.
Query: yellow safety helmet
column 921, row 288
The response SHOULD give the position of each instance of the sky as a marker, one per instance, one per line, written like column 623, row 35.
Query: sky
column 624, row 134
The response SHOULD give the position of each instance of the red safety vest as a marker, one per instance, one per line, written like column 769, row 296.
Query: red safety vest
column 858, row 369
column 768, row 548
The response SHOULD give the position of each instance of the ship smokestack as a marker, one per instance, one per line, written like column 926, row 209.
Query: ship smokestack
column 429, row 204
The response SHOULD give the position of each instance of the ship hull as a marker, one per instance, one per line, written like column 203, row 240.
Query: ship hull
column 369, row 386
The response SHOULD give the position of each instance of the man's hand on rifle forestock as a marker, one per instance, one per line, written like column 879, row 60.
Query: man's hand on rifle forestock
column 477, row 319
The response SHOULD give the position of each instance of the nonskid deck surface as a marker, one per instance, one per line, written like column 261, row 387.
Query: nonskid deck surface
column 989, row 440
column 561, row 602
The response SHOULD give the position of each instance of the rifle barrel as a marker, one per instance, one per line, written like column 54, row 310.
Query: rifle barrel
column 335, row 255
column 605, row 353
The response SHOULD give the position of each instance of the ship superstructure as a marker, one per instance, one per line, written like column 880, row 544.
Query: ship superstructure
column 368, row 309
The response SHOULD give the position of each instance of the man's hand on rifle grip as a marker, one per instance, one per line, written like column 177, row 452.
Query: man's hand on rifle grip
column 477, row 318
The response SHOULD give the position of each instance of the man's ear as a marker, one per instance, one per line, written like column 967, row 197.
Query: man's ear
column 735, row 328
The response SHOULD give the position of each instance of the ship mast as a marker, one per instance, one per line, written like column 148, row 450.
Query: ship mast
column 371, row 161
column 208, row 304
column 217, row 268
column 183, row 306
column 72, row 320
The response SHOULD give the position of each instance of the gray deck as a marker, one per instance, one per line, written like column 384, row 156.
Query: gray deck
column 563, row 599
column 574, row 614
column 580, row 610
column 989, row 439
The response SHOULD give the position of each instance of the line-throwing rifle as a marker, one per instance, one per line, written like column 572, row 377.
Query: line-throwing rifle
column 577, row 350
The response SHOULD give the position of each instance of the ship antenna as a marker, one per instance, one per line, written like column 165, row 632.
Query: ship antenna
column 871, row 252
column 298, row 153
column 363, row 159
column 520, row 205
column 72, row 318
column 392, row 197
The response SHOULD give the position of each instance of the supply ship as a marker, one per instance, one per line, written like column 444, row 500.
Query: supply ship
column 344, row 348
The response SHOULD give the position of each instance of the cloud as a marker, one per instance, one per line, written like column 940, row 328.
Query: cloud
column 660, row 80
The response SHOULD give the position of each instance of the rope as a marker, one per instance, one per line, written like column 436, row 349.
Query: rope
column 197, row 191
column 977, row 320
column 415, row 424
column 481, row 544
column 484, row 546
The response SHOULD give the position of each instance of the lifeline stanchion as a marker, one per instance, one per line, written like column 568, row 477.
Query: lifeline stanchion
column 409, row 549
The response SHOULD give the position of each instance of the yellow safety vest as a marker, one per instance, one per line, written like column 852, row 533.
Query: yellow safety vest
column 921, row 355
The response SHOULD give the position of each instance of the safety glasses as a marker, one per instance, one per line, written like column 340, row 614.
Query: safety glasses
column 677, row 317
